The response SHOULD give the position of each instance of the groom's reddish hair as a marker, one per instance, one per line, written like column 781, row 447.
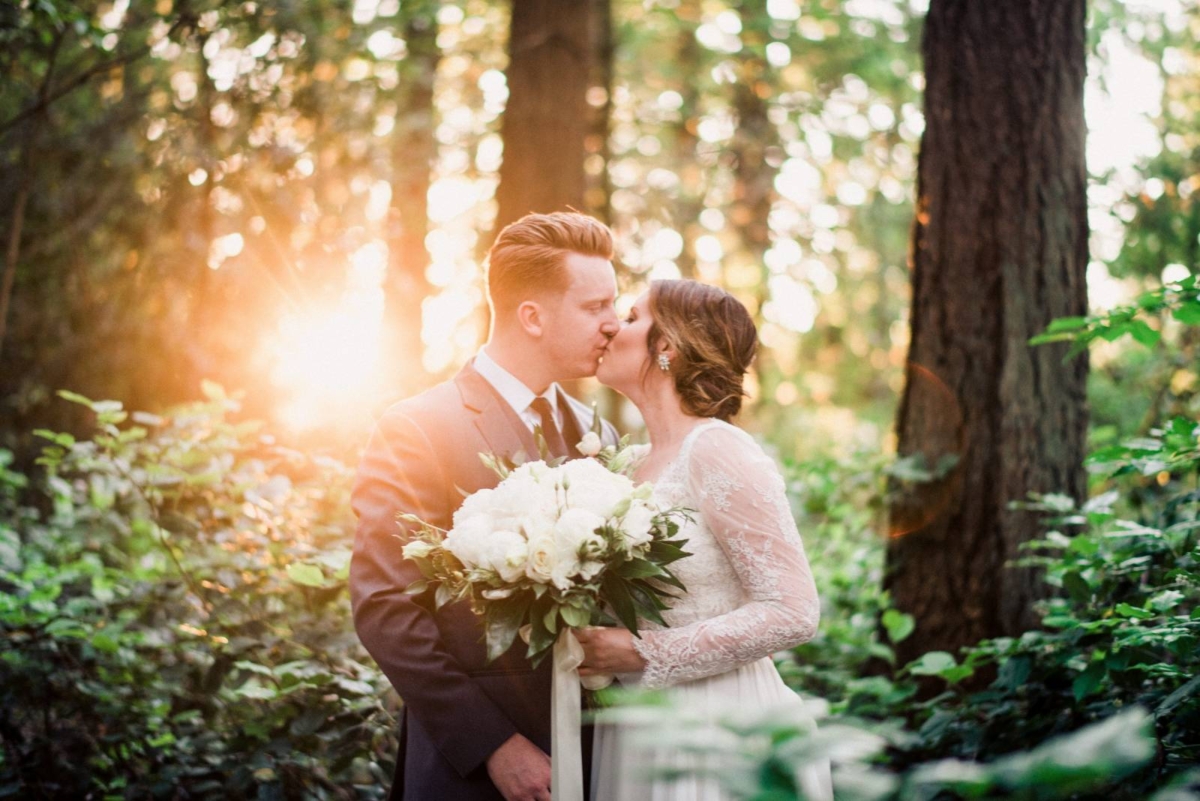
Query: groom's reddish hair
column 527, row 257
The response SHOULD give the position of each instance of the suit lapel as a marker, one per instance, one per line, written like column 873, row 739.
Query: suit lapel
column 498, row 424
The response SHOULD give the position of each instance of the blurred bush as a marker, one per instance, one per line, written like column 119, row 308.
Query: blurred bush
column 174, row 614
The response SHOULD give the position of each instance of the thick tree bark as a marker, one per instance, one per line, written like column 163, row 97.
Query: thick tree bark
column 12, row 253
column 598, row 192
column 999, row 249
column 546, row 119
column 754, row 175
column 413, row 153
column 754, row 169
column 688, row 63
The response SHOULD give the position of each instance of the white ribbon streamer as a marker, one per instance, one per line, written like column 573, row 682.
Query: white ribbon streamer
column 566, row 713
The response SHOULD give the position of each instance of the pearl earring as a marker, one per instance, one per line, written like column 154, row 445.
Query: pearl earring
column 664, row 363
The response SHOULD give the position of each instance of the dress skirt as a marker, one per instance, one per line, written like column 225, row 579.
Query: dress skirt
column 676, row 753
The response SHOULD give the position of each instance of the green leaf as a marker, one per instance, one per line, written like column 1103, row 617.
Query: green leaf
column 616, row 591
column 639, row 568
column 1143, row 333
column 307, row 575
column 103, row 642
column 541, row 639
column 664, row 552
column 933, row 663
column 502, row 620
column 574, row 616
column 1166, row 600
column 1125, row 610
column 647, row 604
column 1077, row 587
column 1066, row 324
column 1089, row 680
column 898, row 625
column 416, row 587
column 65, row 440
column 74, row 397
column 1168, row 704
column 1188, row 313
column 442, row 595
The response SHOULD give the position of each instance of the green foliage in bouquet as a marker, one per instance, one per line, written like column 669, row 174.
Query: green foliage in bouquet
column 621, row 556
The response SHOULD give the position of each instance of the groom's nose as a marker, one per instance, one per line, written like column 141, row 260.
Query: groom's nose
column 610, row 327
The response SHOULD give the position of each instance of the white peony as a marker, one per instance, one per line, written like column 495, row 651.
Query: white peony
column 578, row 543
column 592, row 487
column 637, row 525
column 478, row 503
column 590, row 445
column 505, row 552
column 576, row 533
column 468, row 539
column 528, row 490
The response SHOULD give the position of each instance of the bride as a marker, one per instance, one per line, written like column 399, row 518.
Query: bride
column 680, row 357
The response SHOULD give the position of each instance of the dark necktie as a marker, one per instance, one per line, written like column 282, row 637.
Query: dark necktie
column 554, row 438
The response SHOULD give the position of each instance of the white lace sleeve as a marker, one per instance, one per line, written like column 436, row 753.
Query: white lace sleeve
column 742, row 500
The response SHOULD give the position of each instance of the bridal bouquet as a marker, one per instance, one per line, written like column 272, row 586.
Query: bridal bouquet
column 553, row 547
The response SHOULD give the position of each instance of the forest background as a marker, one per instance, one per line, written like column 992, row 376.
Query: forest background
column 257, row 224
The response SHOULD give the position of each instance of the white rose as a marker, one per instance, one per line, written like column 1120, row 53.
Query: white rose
column 417, row 549
column 590, row 445
column 543, row 558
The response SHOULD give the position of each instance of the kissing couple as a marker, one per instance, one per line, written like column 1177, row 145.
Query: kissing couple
column 473, row 730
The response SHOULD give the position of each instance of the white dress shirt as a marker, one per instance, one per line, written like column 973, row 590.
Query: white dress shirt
column 515, row 392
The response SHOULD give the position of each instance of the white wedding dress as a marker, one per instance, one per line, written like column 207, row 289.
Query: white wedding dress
column 750, row 593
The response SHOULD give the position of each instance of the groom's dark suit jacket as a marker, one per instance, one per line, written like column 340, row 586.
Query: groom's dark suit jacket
column 458, row 708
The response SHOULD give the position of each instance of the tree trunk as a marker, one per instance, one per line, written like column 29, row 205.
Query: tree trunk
column 25, row 165
column 12, row 253
column 546, row 119
column 753, row 168
column 689, row 59
column 999, row 249
column 598, row 191
column 413, row 153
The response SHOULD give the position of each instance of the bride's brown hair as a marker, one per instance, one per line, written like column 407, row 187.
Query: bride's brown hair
column 714, row 340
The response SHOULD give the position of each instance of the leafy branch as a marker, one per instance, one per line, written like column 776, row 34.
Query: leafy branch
column 1181, row 299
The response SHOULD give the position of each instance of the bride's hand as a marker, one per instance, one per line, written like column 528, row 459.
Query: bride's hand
column 608, row 650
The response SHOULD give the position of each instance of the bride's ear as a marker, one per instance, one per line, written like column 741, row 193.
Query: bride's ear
column 531, row 318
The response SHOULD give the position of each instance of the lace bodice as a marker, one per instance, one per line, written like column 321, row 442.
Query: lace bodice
column 750, row 591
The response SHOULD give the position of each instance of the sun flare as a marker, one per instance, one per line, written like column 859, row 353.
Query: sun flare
column 326, row 362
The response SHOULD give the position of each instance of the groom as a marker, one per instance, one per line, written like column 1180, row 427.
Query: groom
column 473, row 730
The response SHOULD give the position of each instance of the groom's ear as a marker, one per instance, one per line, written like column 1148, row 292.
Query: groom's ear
column 531, row 316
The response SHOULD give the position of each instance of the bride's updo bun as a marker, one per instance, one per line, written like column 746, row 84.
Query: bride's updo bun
column 714, row 340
